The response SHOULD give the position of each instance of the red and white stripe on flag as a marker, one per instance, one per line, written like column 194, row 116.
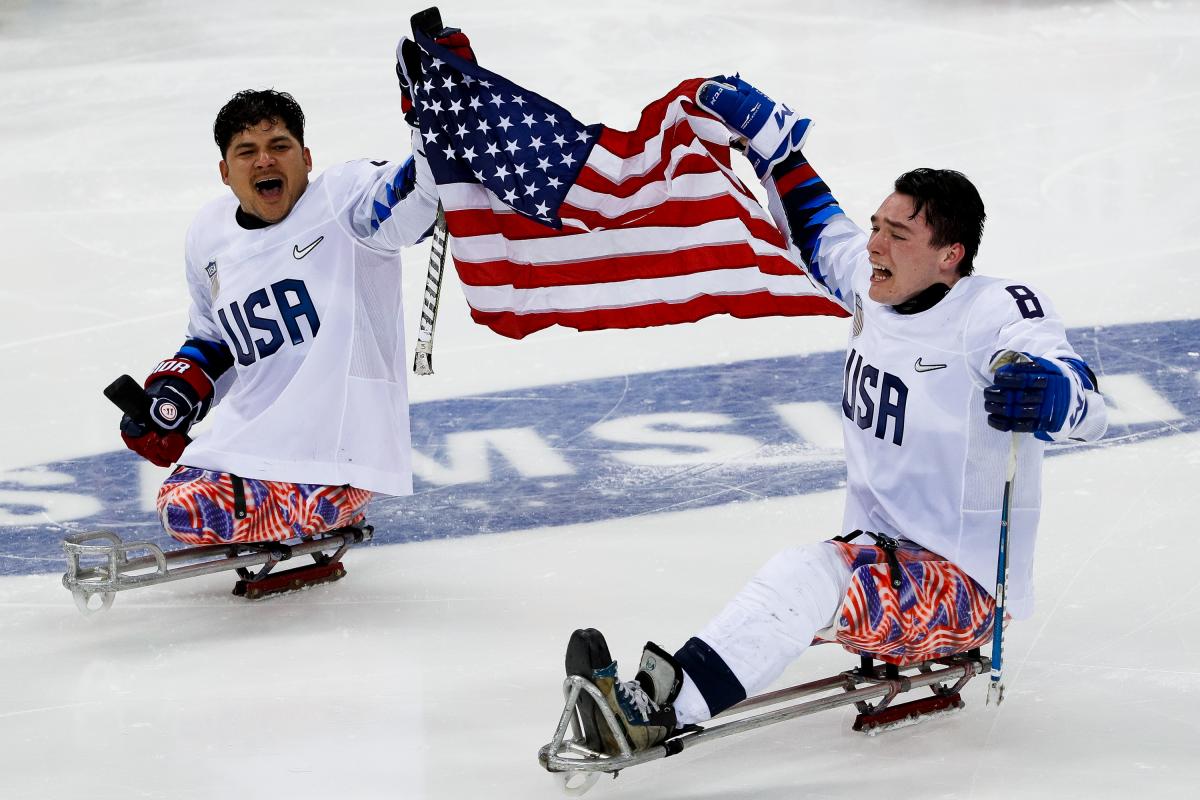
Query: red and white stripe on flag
column 657, row 230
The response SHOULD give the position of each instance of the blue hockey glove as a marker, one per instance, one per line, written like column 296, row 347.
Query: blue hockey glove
column 772, row 130
column 1029, row 396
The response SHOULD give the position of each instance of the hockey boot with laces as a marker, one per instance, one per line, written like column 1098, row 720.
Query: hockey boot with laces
column 771, row 130
column 644, row 705
column 587, row 652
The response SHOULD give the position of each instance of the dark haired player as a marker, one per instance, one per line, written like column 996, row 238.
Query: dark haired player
column 296, row 314
column 926, row 422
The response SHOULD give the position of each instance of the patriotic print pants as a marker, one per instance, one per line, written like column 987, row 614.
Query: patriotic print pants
column 843, row 592
column 938, row 609
column 197, row 506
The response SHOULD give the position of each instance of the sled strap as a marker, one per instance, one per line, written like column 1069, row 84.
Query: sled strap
column 239, row 496
column 889, row 547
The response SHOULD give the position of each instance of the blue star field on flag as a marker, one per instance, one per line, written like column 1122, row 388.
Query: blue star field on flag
column 477, row 126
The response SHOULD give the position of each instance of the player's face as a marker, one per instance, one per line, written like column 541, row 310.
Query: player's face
column 267, row 169
column 903, row 262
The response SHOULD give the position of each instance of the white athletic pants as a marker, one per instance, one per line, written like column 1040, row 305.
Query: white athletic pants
column 771, row 621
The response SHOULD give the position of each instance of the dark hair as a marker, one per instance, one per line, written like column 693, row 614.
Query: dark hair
column 249, row 107
column 952, row 206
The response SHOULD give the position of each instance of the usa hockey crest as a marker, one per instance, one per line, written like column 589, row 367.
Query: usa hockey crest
column 214, row 283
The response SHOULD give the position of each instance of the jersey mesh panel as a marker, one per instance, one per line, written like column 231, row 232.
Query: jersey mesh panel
column 983, row 489
column 983, row 485
column 376, row 349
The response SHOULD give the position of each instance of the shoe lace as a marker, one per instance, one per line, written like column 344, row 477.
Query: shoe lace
column 636, row 697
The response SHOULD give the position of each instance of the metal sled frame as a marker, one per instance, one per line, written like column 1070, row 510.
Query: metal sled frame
column 579, row 766
column 99, row 563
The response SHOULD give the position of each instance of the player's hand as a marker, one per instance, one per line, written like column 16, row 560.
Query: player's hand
column 1031, row 396
column 159, row 449
column 180, row 393
column 771, row 130
column 408, row 60
column 408, row 64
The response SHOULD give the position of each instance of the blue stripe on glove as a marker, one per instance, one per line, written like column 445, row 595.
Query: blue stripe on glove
column 213, row 357
column 772, row 130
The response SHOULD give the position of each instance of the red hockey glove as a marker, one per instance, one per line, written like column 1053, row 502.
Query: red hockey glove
column 180, row 393
column 408, row 60
column 456, row 42
column 160, row 450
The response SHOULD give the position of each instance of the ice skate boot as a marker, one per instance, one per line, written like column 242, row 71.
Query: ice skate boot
column 644, row 704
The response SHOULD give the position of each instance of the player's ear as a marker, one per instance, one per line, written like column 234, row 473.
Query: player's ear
column 308, row 159
column 224, row 168
column 952, row 255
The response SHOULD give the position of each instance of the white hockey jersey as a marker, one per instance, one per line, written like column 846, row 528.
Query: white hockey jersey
column 310, row 309
column 922, row 462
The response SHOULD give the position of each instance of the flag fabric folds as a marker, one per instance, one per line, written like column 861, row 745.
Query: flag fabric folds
column 553, row 222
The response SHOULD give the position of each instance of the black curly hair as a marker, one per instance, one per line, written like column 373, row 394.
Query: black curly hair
column 249, row 107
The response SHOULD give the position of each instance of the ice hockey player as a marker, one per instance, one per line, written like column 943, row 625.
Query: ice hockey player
column 926, row 426
column 296, row 316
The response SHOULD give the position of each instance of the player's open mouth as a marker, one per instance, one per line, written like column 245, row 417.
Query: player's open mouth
column 879, row 273
column 269, row 188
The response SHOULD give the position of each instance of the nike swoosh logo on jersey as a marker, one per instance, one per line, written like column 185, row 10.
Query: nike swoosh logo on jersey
column 921, row 366
column 299, row 253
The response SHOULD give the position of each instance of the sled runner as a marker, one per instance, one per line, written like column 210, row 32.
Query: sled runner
column 100, row 564
column 872, row 688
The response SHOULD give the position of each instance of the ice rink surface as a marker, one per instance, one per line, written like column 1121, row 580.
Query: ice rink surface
column 433, row 669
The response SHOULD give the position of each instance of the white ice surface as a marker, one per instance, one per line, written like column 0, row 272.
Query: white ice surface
column 432, row 671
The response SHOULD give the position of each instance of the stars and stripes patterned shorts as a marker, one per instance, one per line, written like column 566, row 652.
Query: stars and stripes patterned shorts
column 938, row 610
column 197, row 506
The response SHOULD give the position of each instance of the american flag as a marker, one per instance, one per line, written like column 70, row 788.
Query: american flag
column 553, row 222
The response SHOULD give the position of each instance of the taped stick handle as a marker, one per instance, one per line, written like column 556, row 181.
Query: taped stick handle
column 428, row 21
column 129, row 396
column 423, row 357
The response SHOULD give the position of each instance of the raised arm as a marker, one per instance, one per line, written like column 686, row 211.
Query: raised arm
column 800, row 202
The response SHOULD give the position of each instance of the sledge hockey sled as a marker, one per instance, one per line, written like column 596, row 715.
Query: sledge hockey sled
column 578, row 767
column 100, row 564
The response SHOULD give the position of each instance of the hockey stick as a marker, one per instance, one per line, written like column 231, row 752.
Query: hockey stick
column 996, row 687
column 423, row 355
column 429, row 22
column 995, row 694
